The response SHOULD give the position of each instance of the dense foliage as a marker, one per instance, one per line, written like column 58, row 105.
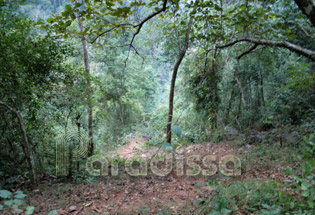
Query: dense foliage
column 107, row 70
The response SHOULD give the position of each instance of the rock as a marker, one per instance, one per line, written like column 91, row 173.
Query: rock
column 130, row 136
column 146, row 137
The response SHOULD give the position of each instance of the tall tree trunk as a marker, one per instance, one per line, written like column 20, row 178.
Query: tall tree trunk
column 258, row 96
column 241, row 94
column 28, row 151
column 262, row 90
column 172, row 89
column 227, row 115
column 250, row 94
column 214, row 86
column 121, row 110
column 79, row 139
column 239, row 105
column 240, row 83
column 88, row 87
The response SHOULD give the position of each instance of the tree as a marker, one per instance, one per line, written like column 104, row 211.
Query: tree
column 88, row 87
column 174, row 75
column 27, row 149
column 30, row 66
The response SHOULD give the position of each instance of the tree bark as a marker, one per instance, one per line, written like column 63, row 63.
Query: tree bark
column 241, row 94
column 79, row 140
column 262, row 89
column 258, row 94
column 250, row 94
column 214, row 86
column 281, row 44
column 121, row 111
column 172, row 89
column 28, row 151
column 240, row 83
column 88, row 87
column 227, row 115
column 308, row 9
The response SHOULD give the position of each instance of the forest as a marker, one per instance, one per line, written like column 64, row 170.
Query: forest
column 161, row 107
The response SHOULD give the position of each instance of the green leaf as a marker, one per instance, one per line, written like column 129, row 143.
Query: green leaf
column 1, row 207
column 5, row 194
column 29, row 210
column 19, row 201
column 265, row 206
column 266, row 212
column 20, row 195
column 50, row 20
column 275, row 211
column 198, row 201
column 53, row 212
column 288, row 171
column 167, row 146
column 17, row 211
column 225, row 211
column 65, row 13
column 217, row 7
column 156, row 142
column 14, row 206
column 176, row 129
column 8, row 202
column 311, row 162
column 306, row 193
column 68, row 7
column 305, row 185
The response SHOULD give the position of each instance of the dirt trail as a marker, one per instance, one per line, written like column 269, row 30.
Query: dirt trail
column 133, row 195
column 134, row 147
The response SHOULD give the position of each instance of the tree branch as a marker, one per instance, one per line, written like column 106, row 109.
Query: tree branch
column 281, row 44
column 247, row 51
column 138, row 26
column 109, row 30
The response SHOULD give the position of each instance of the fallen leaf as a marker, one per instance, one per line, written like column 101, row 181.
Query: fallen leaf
column 88, row 204
column 72, row 208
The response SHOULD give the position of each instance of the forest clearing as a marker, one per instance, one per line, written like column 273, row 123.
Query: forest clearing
column 161, row 107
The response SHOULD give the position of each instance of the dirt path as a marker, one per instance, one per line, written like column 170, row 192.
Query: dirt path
column 133, row 148
column 124, row 194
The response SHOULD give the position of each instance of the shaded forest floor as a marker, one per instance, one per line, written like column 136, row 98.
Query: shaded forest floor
column 150, row 194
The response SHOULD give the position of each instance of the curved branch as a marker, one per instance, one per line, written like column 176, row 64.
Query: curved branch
column 109, row 30
column 138, row 26
column 281, row 44
column 247, row 51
